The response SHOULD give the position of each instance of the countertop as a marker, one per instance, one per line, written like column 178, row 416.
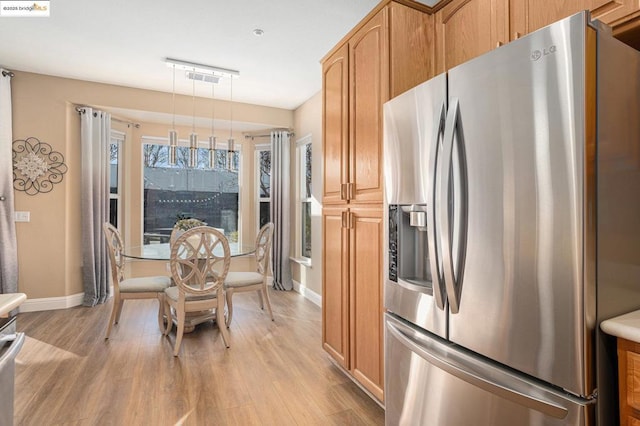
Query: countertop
column 626, row 326
column 10, row 301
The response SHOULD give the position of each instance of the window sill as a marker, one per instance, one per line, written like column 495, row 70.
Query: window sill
column 301, row 261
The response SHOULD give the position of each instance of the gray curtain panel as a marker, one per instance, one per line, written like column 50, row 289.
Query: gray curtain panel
column 280, row 209
column 95, row 133
column 8, row 243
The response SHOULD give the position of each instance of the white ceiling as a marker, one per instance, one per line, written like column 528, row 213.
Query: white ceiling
column 125, row 42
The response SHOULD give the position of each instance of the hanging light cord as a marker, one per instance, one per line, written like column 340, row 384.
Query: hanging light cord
column 213, row 106
column 193, row 95
column 231, row 112
column 173, row 98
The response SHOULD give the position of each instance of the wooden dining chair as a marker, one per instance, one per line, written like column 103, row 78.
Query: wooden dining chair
column 253, row 280
column 130, row 288
column 200, row 259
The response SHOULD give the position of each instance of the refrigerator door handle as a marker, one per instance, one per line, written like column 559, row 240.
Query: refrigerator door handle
column 452, row 278
column 458, row 370
column 432, row 202
column 17, row 340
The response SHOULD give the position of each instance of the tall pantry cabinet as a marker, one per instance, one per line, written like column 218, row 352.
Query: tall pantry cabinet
column 385, row 55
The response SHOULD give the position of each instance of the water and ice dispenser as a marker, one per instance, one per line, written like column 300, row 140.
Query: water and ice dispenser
column 408, row 246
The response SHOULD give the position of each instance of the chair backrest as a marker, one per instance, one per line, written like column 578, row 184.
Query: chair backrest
column 200, row 259
column 116, row 260
column 263, row 248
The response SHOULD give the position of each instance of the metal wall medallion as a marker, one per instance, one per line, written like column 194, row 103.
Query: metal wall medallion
column 36, row 167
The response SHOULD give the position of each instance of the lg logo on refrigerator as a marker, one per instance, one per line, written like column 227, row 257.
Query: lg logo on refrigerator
column 537, row 54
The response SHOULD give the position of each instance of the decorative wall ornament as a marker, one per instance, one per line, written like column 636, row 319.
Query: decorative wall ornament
column 36, row 167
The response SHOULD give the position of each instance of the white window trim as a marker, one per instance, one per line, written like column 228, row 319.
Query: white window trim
column 258, row 199
column 120, row 137
column 299, row 258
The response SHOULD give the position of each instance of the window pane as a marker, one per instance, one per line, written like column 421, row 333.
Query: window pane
column 307, row 171
column 173, row 192
column 265, row 174
column 306, row 229
column 113, row 211
column 114, row 157
column 265, row 213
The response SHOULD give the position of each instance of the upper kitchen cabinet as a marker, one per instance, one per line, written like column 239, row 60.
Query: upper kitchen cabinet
column 529, row 15
column 335, row 123
column 465, row 29
column 387, row 54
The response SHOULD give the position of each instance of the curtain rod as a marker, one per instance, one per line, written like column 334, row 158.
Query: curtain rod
column 80, row 110
column 7, row 73
column 268, row 135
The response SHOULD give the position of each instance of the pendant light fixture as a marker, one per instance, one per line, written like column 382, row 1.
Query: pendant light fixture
column 212, row 138
column 193, row 137
column 208, row 74
column 173, row 135
column 231, row 142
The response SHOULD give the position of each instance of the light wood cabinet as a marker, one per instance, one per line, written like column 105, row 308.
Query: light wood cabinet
column 365, row 293
column 465, row 29
column 369, row 88
column 352, row 294
column 629, row 382
column 335, row 120
column 529, row 15
column 335, row 289
column 386, row 54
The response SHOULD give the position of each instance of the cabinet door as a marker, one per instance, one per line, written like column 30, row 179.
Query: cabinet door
column 465, row 29
column 335, row 281
column 369, row 84
column 365, row 284
column 530, row 15
column 410, row 48
column 335, row 115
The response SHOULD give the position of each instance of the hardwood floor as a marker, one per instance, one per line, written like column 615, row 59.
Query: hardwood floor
column 275, row 373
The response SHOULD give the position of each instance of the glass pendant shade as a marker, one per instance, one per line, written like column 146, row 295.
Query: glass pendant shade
column 193, row 150
column 173, row 143
column 230, row 154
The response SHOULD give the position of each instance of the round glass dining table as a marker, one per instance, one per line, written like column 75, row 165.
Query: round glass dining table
column 162, row 251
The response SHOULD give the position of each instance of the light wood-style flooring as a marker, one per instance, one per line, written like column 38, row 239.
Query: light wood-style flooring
column 275, row 373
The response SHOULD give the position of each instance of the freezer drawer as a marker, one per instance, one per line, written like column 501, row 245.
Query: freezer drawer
column 431, row 382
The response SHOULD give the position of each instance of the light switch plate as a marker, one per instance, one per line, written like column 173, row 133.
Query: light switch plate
column 23, row 216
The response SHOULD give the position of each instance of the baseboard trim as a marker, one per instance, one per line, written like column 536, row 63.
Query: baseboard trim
column 51, row 303
column 309, row 294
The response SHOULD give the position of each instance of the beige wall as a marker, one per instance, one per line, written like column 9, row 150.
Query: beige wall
column 308, row 121
column 49, row 246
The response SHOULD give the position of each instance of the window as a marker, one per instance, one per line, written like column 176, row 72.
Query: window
column 115, row 177
column 263, row 160
column 176, row 192
column 303, row 168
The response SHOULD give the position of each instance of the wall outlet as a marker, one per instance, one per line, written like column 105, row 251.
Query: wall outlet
column 22, row 216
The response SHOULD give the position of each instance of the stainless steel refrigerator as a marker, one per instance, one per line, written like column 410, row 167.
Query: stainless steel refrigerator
column 513, row 229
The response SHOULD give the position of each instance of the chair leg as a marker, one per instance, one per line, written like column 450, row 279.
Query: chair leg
column 265, row 291
column 261, row 299
column 120, row 303
column 229, row 306
column 112, row 317
column 161, row 312
column 220, row 321
column 167, row 314
column 180, row 330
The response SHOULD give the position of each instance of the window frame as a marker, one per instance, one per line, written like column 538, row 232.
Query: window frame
column 119, row 138
column 222, row 146
column 301, row 198
column 258, row 199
